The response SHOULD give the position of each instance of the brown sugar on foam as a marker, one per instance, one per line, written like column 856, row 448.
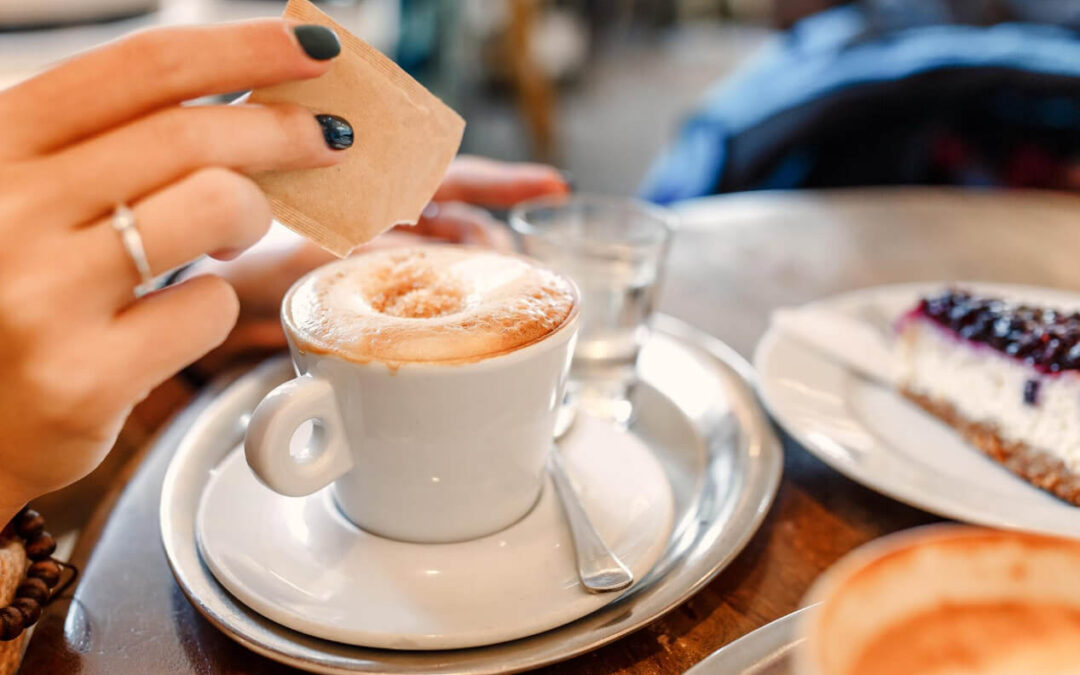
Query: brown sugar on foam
column 408, row 288
column 994, row 638
column 427, row 304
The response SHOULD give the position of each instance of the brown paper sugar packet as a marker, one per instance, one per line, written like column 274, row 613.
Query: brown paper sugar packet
column 404, row 139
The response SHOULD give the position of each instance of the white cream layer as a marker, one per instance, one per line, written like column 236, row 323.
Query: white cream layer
column 988, row 387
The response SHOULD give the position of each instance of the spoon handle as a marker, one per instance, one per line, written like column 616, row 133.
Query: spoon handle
column 600, row 570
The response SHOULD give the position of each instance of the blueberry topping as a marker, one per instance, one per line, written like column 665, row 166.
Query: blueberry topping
column 1003, row 327
column 962, row 314
column 1031, row 392
column 1053, row 351
column 1072, row 358
column 1046, row 339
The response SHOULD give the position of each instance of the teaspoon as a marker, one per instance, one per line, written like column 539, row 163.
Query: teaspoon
column 600, row 570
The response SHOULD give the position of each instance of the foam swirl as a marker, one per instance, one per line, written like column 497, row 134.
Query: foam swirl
column 435, row 303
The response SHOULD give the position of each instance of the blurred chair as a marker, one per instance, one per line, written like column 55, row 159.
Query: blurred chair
column 535, row 90
column 451, row 44
column 855, row 96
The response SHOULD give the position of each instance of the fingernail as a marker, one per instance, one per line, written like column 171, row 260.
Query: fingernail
column 568, row 178
column 337, row 132
column 318, row 42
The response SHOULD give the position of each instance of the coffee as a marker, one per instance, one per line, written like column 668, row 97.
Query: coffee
column 427, row 304
column 947, row 600
column 987, row 637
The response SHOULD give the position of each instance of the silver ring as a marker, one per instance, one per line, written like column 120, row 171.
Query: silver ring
column 123, row 221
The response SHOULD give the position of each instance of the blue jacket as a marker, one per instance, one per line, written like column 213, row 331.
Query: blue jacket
column 833, row 103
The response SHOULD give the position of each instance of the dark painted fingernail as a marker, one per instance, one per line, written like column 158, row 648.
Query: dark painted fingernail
column 336, row 131
column 318, row 42
column 568, row 178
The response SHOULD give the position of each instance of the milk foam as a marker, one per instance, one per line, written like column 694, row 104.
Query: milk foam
column 990, row 638
column 427, row 304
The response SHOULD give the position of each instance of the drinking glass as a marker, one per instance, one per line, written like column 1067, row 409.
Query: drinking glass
column 614, row 248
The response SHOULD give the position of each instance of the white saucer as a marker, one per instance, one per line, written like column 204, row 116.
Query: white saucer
column 299, row 562
column 872, row 434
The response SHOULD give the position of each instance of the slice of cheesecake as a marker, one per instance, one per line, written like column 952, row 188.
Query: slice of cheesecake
column 1005, row 375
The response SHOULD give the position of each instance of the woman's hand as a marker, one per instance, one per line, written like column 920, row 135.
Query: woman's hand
column 77, row 350
column 263, row 274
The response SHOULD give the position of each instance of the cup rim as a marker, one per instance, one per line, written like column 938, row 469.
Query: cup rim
column 553, row 339
column 665, row 217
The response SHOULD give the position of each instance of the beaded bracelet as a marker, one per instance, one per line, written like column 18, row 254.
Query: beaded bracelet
column 43, row 576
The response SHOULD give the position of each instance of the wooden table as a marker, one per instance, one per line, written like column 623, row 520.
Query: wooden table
column 735, row 260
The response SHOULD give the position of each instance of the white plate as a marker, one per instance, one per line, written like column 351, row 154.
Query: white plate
column 298, row 561
column 765, row 651
column 873, row 435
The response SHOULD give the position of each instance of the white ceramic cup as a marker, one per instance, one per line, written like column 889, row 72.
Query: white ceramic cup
column 422, row 452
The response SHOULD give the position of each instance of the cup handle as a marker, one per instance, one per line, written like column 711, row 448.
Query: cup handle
column 275, row 420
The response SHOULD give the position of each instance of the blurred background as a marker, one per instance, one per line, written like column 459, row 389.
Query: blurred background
column 675, row 99
column 595, row 86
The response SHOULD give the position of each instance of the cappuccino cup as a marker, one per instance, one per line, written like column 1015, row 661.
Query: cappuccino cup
column 431, row 377
column 946, row 600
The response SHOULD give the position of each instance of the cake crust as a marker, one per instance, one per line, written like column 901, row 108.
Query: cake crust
column 1037, row 467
